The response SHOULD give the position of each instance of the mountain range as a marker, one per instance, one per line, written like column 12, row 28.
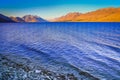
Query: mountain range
column 28, row 18
column 101, row 15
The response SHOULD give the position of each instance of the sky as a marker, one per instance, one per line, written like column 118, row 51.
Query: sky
column 49, row 9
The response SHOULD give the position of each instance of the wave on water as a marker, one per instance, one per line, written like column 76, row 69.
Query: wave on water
column 67, row 51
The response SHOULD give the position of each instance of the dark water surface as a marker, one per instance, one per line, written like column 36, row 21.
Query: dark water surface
column 87, row 50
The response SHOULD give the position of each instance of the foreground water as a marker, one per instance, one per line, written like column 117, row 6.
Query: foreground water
column 68, row 51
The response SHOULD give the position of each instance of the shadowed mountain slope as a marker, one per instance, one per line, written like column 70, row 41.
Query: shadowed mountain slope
column 5, row 19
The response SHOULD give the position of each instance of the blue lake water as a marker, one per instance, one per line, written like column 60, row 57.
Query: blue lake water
column 91, row 47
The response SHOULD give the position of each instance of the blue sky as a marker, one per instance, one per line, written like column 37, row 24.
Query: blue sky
column 52, row 8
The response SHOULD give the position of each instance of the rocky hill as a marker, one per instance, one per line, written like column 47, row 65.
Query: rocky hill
column 17, row 19
column 68, row 17
column 31, row 18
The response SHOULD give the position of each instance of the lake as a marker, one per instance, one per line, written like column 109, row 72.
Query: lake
column 60, row 51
